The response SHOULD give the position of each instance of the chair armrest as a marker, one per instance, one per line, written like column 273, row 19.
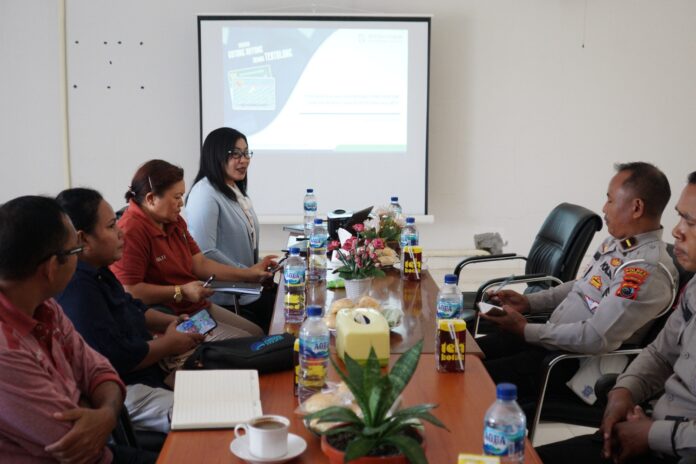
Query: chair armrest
column 485, row 259
column 520, row 279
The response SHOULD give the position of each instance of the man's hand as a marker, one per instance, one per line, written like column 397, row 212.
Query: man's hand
column 511, row 300
column 180, row 342
column 511, row 321
column 260, row 271
column 87, row 438
column 619, row 405
column 632, row 435
column 195, row 291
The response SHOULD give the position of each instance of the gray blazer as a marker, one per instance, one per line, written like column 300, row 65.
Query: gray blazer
column 222, row 231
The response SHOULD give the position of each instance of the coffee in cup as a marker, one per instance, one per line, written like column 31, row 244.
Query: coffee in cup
column 267, row 436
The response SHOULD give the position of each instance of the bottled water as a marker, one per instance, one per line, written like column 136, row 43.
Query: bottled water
column 294, row 276
column 317, row 252
column 314, row 353
column 450, row 300
column 310, row 210
column 395, row 207
column 505, row 426
column 409, row 234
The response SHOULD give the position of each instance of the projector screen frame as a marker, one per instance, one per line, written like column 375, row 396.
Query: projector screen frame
column 427, row 19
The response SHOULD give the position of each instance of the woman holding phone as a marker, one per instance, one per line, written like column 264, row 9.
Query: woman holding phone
column 221, row 216
column 162, row 264
column 112, row 322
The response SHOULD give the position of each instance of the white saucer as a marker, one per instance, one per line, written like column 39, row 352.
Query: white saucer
column 240, row 448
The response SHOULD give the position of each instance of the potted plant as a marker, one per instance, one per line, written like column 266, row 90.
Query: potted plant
column 359, row 260
column 385, row 225
column 377, row 436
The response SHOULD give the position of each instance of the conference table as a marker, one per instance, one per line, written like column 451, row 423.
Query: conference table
column 462, row 397
column 417, row 299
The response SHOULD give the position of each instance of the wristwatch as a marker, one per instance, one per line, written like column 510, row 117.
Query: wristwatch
column 178, row 296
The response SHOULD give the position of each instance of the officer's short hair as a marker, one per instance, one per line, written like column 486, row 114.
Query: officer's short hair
column 31, row 231
column 692, row 178
column 649, row 184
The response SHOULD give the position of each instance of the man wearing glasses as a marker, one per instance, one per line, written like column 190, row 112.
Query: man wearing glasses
column 59, row 398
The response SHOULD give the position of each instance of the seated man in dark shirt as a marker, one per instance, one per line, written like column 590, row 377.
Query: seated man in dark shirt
column 111, row 321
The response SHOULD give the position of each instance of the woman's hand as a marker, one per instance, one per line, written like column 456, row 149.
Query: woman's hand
column 195, row 291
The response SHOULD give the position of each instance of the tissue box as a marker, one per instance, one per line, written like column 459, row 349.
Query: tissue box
column 359, row 329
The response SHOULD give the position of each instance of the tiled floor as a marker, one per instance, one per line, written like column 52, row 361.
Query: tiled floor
column 548, row 432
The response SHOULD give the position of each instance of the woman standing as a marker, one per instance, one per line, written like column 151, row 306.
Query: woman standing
column 161, row 263
column 221, row 216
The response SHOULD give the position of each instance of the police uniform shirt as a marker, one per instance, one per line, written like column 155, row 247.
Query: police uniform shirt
column 611, row 302
column 670, row 363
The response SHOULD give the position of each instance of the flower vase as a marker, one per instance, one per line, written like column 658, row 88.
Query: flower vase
column 356, row 288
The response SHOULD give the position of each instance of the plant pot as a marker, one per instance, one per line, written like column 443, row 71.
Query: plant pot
column 336, row 456
column 355, row 288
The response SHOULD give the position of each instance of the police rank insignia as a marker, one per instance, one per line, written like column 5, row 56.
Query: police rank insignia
column 633, row 278
column 615, row 262
column 596, row 282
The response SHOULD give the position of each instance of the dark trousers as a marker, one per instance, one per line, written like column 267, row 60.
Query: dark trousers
column 511, row 359
column 260, row 312
column 127, row 455
column 587, row 449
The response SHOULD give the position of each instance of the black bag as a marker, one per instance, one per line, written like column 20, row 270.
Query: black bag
column 271, row 353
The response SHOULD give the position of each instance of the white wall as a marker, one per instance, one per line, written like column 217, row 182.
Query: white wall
column 522, row 116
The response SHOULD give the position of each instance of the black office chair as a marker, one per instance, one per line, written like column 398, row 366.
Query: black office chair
column 124, row 434
column 564, row 406
column 554, row 258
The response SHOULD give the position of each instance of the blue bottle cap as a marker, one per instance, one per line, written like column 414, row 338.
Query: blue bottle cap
column 313, row 311
column 506, row 391
column 318, row 221
column 450, row 279
column 394, row 199
column 410, row 220
column 310, row 190
column 294, row 251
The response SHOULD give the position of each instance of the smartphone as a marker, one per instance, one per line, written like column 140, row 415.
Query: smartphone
column 201, row 322
column 493, row 310
column 278, row 266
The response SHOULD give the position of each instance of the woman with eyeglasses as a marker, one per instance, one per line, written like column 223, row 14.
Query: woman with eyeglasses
column 162, row 264
column 221, row 216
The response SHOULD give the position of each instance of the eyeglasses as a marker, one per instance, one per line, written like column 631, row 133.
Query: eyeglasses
column 237, row 154
column 72, row 251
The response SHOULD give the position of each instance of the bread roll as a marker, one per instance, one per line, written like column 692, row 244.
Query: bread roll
column 337, row 305
column 368, row 302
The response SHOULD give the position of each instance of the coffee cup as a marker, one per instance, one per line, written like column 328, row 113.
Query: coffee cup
column 267, row 436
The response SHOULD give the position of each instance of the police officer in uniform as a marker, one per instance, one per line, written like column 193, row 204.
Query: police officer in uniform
column 669, row 363
column 628, row 283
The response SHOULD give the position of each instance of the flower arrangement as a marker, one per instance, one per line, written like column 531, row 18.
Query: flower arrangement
column 358, row 255
column 385, row 225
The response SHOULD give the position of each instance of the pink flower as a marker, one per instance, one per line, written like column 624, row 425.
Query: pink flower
column 359, row 227
column 350, row 243
column 378, row 243
column 373, row 256
column 334, row 245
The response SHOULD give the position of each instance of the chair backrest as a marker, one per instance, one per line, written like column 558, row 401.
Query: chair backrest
column 562, row 241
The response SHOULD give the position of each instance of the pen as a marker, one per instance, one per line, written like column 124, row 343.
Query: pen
column 209, row 281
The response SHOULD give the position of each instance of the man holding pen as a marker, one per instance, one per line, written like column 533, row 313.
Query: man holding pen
column 628, row 283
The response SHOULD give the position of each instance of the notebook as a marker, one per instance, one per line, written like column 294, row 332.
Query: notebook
column 215, row 399
column 236, row 287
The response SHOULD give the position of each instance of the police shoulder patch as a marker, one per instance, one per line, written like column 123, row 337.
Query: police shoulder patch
column 628, row 290
column 634, row 274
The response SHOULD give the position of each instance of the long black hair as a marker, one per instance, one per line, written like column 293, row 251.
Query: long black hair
column 214, row 156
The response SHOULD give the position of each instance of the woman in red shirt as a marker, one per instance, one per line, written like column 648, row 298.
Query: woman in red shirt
column 161, row 263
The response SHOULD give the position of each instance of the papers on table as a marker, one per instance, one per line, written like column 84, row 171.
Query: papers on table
column 215, row 398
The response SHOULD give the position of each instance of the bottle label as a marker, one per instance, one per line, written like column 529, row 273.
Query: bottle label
column 409, row 240
column 314, row 355
column 317, row 241
column 310, row 205
column 496, row 442
column 449, row 309
column 294, row 275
